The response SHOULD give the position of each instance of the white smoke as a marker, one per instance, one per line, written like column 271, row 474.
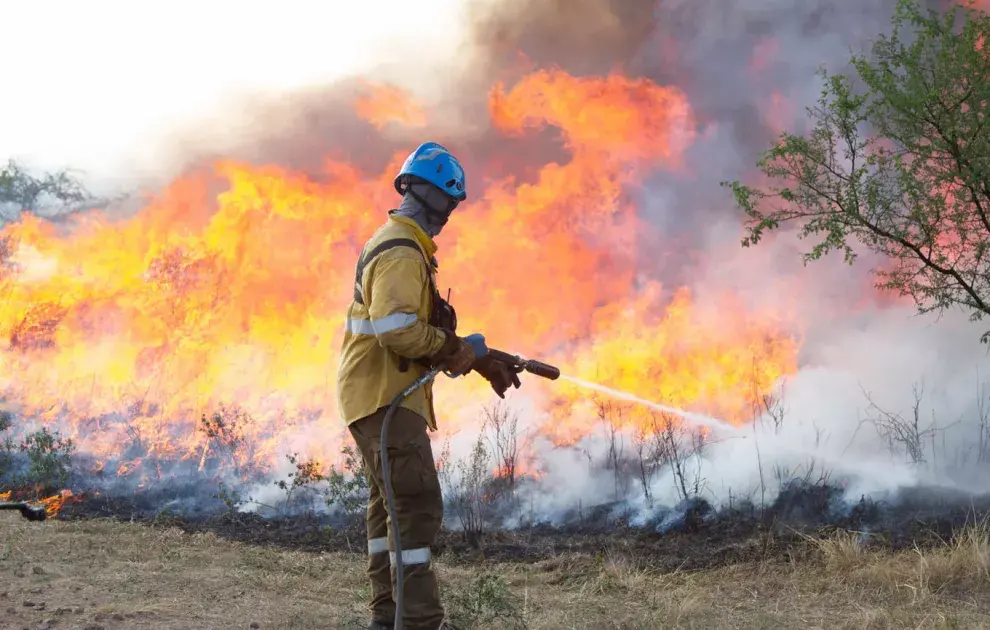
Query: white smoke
column 102, row 86
column 849, row 380
column 891, row 364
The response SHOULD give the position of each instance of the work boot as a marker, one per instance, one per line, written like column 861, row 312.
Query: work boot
column 380, row 625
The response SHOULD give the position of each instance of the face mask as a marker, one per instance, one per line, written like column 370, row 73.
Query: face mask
column 437, row 204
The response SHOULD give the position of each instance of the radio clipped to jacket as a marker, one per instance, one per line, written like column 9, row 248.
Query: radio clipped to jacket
column 442, row 316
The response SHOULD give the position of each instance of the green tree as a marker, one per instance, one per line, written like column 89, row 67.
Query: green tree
column 897, row 161
column 49, row 459
column 6, row 443
column 20, row 190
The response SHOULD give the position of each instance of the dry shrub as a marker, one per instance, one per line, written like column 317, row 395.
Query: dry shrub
column 842, row 551
column 615, row 572
column 961, row 564
column 955, row 567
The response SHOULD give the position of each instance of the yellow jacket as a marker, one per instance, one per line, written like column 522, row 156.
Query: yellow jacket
column 391, row 323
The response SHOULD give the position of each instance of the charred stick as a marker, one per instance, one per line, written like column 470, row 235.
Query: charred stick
column 28, row 511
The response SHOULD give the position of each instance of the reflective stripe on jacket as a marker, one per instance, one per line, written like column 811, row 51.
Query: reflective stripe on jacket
column 391, row 323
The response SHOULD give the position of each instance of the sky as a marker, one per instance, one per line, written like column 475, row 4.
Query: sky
column 98, row 85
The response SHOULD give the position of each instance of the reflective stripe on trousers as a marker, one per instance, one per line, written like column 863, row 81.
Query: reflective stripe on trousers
column 411, row 556
column 377, row 545
column 395, row 321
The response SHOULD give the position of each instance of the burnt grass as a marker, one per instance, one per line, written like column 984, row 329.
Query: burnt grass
column 690, row 536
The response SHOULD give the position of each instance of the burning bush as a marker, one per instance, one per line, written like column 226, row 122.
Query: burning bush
column 37, row 330
column 225, row 431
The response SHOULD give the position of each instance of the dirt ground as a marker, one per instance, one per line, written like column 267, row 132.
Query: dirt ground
column 104, row 574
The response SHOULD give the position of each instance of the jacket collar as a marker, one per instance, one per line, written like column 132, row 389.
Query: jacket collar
column 428, row 244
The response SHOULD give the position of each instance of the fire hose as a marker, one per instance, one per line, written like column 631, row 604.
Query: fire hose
column 481, row 350
column 28, row 511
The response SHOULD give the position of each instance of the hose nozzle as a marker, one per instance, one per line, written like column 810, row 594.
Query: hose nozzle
column 537, row 368
column 543, row 370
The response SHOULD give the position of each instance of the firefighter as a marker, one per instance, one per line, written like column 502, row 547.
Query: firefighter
column 398, row 326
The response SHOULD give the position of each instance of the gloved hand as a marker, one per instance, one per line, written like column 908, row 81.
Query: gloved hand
column 456, row 355
column 499, row 375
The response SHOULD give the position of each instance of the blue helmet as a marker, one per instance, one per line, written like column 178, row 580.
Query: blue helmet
column 433, row 163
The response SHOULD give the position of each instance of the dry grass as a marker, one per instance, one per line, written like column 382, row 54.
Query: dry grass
column 956, row 569
column 93, row 574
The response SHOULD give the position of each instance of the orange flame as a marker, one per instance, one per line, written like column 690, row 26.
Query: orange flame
column 53, row 504
column 139, row 331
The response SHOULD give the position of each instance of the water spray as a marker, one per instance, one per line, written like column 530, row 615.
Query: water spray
column 477, row 341
column 694, row 418
column 737, row 432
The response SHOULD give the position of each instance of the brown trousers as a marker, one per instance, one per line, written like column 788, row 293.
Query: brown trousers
column 419, row 510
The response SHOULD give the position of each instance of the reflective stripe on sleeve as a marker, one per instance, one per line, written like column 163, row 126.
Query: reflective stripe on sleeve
column 360, row 327
column 395, row 321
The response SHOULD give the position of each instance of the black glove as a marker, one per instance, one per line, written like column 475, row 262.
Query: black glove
column 500, row 375
column 456, row 355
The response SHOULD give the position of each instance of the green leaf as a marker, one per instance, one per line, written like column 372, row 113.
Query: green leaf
column 896, row 162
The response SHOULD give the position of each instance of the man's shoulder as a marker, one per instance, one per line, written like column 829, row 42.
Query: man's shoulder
column 395, row 229
column 403, row 242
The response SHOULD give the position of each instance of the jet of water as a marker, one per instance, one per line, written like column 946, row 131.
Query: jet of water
column 776, row 444
column 690, row 416
column 773, row 442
